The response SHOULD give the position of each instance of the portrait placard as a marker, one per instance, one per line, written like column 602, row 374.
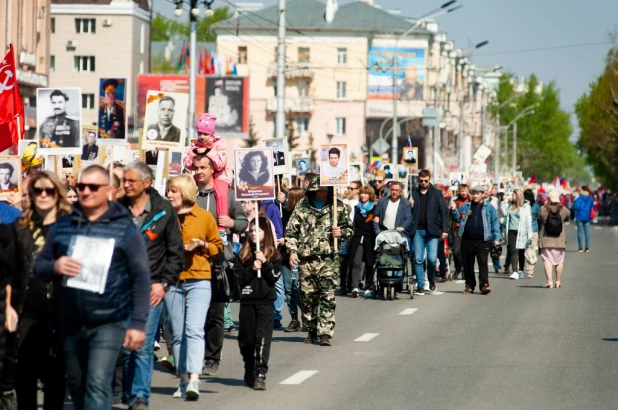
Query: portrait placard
column 254, row 174
column 389, row 170
column 410, row 159
column 356, row 172
column 112, row 117
column 166, row 121
column 10, row 175
column 302, row 166
column 334, row 160
column 58, row 114
column 280, row 154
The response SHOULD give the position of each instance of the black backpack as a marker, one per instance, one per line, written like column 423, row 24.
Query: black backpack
column 553, row 224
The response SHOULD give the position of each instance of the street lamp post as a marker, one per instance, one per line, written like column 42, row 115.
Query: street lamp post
column 194, row 12
column 529, row 110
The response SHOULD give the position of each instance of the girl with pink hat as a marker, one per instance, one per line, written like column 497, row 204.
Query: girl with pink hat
column 214, row 148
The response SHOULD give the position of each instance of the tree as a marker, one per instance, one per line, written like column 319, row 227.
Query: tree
column 252, row 140
column 290, row 126
column 597, row 113
column 160, row 65
column 165, row 29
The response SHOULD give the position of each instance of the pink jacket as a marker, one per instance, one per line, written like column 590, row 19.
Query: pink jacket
column 216, row 154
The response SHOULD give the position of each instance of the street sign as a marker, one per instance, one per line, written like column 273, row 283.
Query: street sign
column 380, row 146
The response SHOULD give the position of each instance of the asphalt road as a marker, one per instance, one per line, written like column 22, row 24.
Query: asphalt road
column 521, row 347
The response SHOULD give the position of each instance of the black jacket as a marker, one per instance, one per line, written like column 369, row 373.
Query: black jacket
column 363, row 231
column 254, row 290
column 436, row 212
column 166, row 252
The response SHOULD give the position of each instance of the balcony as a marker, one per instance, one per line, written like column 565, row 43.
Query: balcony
column 298, row 104
column 293, row 70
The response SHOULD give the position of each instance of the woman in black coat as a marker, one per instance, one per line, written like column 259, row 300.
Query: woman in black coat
column 363, row 241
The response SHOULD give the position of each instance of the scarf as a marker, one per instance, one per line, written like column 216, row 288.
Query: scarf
column 364, row 209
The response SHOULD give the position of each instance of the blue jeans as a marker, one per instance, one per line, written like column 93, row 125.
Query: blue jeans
column 138, row 364
column 280, row 301
column 424, row 241
column 188, row 306
column 90, row 355
column 291, row 290
column 228, row 320
column 583, row 228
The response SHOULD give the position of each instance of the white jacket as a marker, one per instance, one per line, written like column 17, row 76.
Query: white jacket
column 524, row 231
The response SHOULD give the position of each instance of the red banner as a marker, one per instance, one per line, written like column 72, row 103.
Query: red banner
column 12, row 117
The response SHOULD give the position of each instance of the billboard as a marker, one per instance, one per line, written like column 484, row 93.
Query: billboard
column 411, row 73
column 228, row 99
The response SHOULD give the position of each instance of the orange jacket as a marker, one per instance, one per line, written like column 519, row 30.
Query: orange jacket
column 199, row 224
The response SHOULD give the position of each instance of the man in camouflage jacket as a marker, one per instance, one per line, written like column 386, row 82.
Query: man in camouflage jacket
column 309, row 238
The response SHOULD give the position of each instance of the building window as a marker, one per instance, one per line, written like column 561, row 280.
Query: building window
column 88, row 101
column 302, row 126
column 339, row 126
column 341, row 90
column 303, row 88
column 85, row 26
column 83, row 64
column 53, row 25
column 342, row 56
column 52, row 63
column 242, row 55
column 303, row 54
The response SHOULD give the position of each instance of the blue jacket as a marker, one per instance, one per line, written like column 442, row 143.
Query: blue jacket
column 271, row 210
column 8, row 214
column 127, row 290
column 403, row 218
column 582, row 207
column 491, row 226
column 536, row 208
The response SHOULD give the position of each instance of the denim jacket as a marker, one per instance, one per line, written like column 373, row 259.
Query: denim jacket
column 491, row 226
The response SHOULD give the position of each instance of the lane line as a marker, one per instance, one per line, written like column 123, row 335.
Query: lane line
column 366, row 337
column 299, row 377
column 437, row 293
column 460, row 281
column 408, row 311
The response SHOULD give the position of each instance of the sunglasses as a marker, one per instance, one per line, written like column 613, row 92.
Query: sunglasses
column 379, row 181
column 352, row 187
column 424, row 181
column 92, row 187
column 48, row 191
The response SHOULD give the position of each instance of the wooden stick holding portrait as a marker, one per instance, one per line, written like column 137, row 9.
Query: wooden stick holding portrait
column 257, row 234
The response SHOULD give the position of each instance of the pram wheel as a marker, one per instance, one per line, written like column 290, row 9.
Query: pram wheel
column 393, row 293
column 385, row 292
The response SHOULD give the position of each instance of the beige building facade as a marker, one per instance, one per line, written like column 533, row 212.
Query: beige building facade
column 97, row 39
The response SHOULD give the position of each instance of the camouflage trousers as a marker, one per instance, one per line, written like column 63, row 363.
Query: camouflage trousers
column 318, row 280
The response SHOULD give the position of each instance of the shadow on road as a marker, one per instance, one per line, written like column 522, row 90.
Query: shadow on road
column 532, row 287
column 613, row 339
column 289, row 339
column 227, row 382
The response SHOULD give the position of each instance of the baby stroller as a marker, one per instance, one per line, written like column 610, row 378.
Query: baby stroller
column 391, row 265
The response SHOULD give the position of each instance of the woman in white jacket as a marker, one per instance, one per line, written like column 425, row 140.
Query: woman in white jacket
column 519, row 231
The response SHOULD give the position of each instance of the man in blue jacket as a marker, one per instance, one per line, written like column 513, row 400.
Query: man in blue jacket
column 478, row 230
column 94, row 326
column 583, row 206
column 428, row 225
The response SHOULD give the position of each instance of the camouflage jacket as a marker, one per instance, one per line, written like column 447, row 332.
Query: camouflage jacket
column 308, row 232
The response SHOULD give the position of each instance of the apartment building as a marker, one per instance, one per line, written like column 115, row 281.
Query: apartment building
column 94, row 39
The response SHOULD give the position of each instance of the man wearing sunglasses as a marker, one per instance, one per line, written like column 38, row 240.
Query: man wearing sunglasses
column 379, row 184
column 94, row 326
column 429, row 223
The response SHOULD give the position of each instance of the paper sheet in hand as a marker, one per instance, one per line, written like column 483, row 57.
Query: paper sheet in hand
column 95, row 255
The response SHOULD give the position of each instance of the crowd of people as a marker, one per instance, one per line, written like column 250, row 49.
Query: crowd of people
column 176, row 256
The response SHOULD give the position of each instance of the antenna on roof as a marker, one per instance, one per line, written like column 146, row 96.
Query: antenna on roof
column 331, row 9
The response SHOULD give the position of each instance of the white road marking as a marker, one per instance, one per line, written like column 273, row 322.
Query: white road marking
column 408, row 311
column 366, row 337
column 299, row 377
column 460, row 281
column 437, row 293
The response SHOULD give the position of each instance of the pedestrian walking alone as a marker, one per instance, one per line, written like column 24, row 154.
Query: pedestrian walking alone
column 582, row 207
column 552, row 238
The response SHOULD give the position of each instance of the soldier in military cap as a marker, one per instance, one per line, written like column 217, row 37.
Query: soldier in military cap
column 111, row 115
column 309, row 239
column 59, row 131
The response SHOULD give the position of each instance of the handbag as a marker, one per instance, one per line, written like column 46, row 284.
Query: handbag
column 224, row 283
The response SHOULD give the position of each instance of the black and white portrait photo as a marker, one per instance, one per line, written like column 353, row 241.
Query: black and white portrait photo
column 388, row 171
column 90, row 149
column 10, row 175
column 253, row 170
column 279, row 146
column 68, row 161
column 166, row 119
column 58, row 114
column 302, row 166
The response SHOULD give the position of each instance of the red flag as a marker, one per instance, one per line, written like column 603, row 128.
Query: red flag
column 12, row 121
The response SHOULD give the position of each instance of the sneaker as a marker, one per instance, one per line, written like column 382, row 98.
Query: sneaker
column 440, row 279
column 260, row 382
column 457, row 275
column 139, row 404
column 354, row 293
column 249, row 378
column 587, row 250
column 9, row 400
column 522, row 275
column 229, row 330
column 368, row 294
column 168, row 363
column 515, row 275
column 181, row 393
column 426, row 286
column 468, row 290
column 294, row 326
column 325, row 340
column 193, row 390
column 312, row 337
column 432, row 286
column 277, row 324
column 157, row 346
column 211, row 368
column 485, row 289
column 580, row 250
column 419, row 291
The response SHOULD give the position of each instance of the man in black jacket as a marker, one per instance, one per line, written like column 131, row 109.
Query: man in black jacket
column 157, row 223
column 429, row 223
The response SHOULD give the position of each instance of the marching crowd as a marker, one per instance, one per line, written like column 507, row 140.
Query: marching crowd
column 178, row 260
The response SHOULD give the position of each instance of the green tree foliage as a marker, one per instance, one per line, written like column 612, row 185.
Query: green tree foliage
column 165, row 29
column 543, row 146
column 159, row 65
column 252, row 140
column 597, row 113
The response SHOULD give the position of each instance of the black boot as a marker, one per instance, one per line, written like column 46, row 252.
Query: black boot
column 260, row 381
column 312, row 337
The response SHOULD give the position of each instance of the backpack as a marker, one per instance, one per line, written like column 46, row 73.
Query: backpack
column 553, row 224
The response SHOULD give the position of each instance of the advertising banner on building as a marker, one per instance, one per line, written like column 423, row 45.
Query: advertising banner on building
column 411, row 73
column 228, row 99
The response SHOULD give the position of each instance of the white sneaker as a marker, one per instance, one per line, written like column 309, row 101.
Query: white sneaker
column 355, row 292
column 426, row 286
column 181, row 393
column 157, row 346
column 368, row 294
column 514, row 275
column 193, row 390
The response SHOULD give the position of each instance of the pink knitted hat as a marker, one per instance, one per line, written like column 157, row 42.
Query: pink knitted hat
column 206, row 123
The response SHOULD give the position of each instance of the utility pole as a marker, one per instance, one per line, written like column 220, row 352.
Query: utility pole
column 280, row 117
column 192, row 71
column 514, row 147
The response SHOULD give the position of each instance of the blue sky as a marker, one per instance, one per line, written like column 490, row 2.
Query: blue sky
column 510, row 26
